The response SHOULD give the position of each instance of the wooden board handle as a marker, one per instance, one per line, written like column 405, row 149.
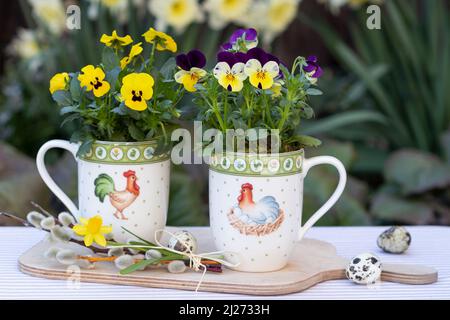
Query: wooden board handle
column 409, row 273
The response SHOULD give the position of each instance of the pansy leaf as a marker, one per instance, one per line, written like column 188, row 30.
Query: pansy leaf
column 112, row 76
column 70, row 118
column 68, row 109
column 109, row 59
column 84, row 148
column 168, row 68
column 75, row 89
column 135, row 132
column 62, row 98
column 313, row 92
column 307, row 140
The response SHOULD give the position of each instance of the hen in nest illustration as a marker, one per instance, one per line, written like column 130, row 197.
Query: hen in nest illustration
column 263, row 211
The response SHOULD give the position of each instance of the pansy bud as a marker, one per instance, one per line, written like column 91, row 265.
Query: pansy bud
column 66, row 219
column 153, row 254
column 61, row 233
column 35, row 218
column 176, row 266
column 123, row 262
column 47, row 223
column 51, row 253
column 67, row 257
column 115, row 252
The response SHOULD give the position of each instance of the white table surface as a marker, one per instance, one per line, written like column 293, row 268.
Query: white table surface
column 430, row 246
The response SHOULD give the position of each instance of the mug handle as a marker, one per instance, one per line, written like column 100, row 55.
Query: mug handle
column 308, row 164
column 62, row 144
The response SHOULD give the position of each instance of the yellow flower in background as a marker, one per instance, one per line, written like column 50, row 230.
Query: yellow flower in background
column 222, row 12
column 51, row 12
column 137, row 89
column 134, row 51
column 163, row 40
column 232, row 78
column 115, row 41
column 92, row 230
column 59, row 82
column 25, row 44
column 175, row 13
column 93, row 79
column 261, row 77
column 190, row 78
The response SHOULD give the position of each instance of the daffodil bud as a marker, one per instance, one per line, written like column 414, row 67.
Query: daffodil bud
column 153, row 254
column 176, row 266
column 67, row 257
column 66, row 219
column 35, row 218
column 47, row 223
column 51, row 253
column 115, row 252
column 61, row 233
column 124, row 261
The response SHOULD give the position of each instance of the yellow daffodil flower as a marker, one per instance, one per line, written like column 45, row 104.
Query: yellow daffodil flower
column 163, row 41
column 261, row 77
column 137, row 89
column 232, row 78
column 134, row 51
column 93, row 79
column 59, row 82
column 92, row 230
column 115, row 41
column 189, row 78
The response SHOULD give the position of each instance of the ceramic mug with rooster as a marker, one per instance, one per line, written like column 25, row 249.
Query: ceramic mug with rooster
column 255, row 203
column 124, row 182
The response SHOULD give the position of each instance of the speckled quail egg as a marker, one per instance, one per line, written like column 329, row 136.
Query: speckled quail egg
column 365, row 268
column 183, row 241
column 394, row 240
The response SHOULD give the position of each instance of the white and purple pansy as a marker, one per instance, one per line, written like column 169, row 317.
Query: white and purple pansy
column 191, row 72
column 312, row 69
column 229, row 71
column 241, row 40
column 262, row 68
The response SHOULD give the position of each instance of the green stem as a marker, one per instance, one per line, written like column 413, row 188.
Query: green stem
column 152, row 58
column 225, row 109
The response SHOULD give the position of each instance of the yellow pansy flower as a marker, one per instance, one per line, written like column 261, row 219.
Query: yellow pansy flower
column 93, row 79
column 134, row 51
column 115, row 41
column 92, row 230
column 189, row 78
column 276, row 88
column 163, row 40
column 261, row 77
column 59, row 82
column 232, row 78
column 137, row 89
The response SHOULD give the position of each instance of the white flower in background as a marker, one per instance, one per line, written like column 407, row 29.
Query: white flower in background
column 24, row 45
column 175, row 13
column 336, row 5
column 50, row 12
column 222, row 12
column 270, row 17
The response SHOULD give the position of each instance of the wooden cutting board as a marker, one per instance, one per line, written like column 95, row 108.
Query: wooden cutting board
column 312, row 262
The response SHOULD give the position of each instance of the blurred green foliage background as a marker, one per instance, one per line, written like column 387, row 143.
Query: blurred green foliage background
column 385, row 112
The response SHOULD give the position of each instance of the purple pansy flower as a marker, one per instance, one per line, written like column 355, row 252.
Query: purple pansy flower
column 232, row 57
column 312, row 67
column 193, row 59
column 263, row 57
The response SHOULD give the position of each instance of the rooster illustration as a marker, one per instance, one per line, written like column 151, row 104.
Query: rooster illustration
column 266, row 210
column 104, row 186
